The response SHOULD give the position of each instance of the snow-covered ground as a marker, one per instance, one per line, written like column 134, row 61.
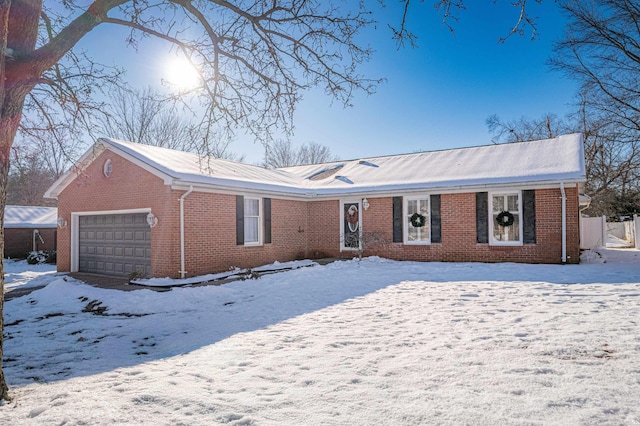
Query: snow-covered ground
column 350, row 343
column 17, row 273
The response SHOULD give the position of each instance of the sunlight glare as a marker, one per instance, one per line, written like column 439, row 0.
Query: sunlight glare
column 181, row 74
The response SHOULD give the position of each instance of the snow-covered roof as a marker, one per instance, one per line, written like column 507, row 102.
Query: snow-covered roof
column 30, row 217
column 193, row 168
column 559, row 159
column 542, row 162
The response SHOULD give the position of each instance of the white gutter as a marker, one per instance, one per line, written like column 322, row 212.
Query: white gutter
column 564, row 223
column 182, row 271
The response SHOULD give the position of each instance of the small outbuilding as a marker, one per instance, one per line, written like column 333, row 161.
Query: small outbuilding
column 131, row 209
column 29, row 228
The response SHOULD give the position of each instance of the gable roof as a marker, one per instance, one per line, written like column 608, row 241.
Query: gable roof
column 30, row 217
column 542, row 162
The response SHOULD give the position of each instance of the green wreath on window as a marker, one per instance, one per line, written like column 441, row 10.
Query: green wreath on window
column 505, row 219
column 418, row 220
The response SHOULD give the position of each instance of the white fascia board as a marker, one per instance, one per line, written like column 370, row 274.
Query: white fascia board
column 89, row 156
column 256, row 190
column 155, row 170
column 79, row 166
column 390, row 190
column 300, row 194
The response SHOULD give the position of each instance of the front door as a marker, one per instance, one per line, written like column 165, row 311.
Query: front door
column 351, row 224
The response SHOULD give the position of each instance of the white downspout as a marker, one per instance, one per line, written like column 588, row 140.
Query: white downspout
column 36, row 237
column 182, row 271
column 564, row 223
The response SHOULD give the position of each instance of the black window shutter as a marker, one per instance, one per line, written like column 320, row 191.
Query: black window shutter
column 529, row 216
column 397, row 219
column 436, row 231
column 267, row 220
column 482, row 220
column 239, row 220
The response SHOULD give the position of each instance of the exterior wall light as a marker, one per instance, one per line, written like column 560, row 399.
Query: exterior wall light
column 365, row 204
column 152, row 220
column 61, row 222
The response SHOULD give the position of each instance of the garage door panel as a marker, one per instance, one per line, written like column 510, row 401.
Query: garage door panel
column 115, row 244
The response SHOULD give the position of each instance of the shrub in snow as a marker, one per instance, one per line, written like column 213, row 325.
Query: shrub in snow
column 51, row 256
column 41, row 256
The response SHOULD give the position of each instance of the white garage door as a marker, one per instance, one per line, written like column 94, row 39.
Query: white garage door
column 116, row 244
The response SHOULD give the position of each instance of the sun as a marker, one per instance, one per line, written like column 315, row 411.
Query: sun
column 181, row 74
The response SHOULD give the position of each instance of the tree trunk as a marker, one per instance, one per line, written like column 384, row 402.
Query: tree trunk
column 8, row 128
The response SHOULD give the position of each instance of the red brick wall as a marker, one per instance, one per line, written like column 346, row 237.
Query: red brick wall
column 128, row 187
column 18, row 242
column 210, row 228
column 459, row 240
column 323, row 232
column 210, row 234
column 299, row 229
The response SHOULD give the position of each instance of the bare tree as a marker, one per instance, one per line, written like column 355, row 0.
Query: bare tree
column 142, row 116
column 282, row 153
column 524, row 22
column 527, row 129
column 601, row 49
column 29, row 177
column 612, row 160
column 314, row 153
column 254, row 59
column 147, row 117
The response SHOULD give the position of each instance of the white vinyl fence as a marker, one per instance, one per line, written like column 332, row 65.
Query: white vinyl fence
column 593, row 232
column 597, row 232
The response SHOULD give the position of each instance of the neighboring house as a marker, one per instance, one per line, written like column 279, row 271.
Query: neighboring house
column 127, row 207
column 29, row 228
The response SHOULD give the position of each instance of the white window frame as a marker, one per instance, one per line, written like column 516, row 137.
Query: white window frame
column 492, row 225
column 259, row 217
column 406, row 223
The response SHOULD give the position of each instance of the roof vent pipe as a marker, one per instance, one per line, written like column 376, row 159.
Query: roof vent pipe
column 182, row 271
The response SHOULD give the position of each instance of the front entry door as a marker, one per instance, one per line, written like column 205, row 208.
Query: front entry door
column 351, row 224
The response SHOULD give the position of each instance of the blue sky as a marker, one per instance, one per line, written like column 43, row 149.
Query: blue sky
column 436, row 96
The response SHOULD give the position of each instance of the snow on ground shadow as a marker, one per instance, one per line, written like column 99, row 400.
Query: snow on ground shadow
column 370, row 342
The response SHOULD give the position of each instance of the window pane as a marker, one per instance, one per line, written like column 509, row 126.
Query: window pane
column 512, row 201
column 424, row 207
column 516, row 227
column 498, row 203
column 251, row 207
column 413, row 234
column 412, row 207
column 250, row 229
